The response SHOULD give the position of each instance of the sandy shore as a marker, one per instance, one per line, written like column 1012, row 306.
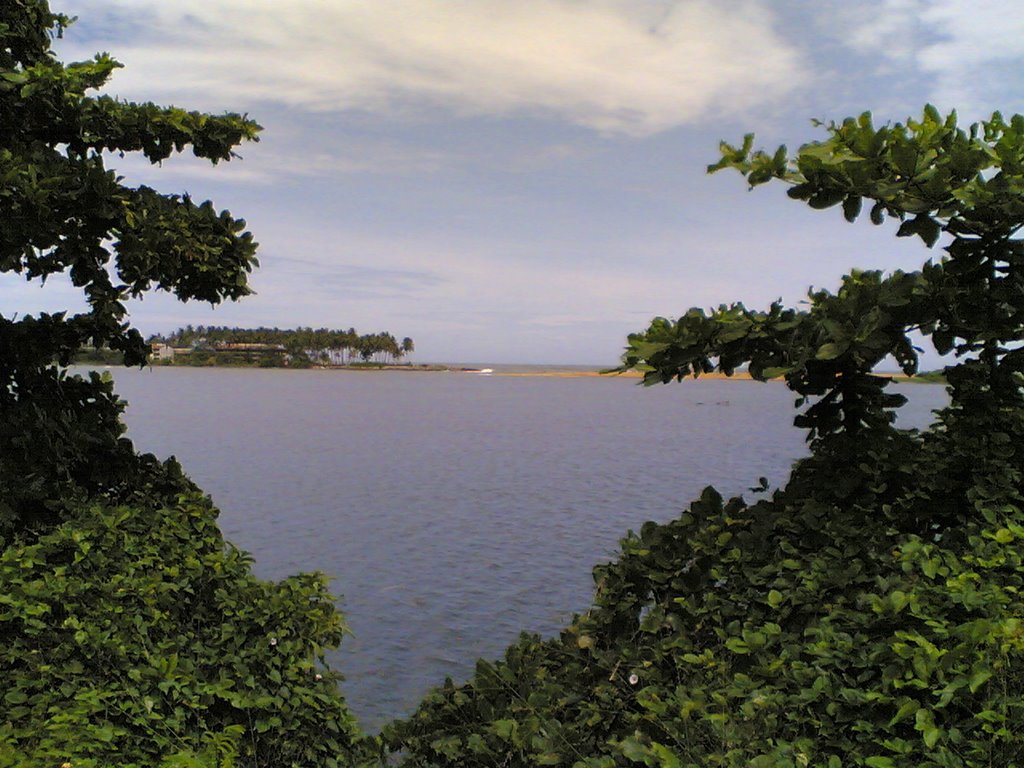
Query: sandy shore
column 552, row 373
column 591, row 374
column 738, row 376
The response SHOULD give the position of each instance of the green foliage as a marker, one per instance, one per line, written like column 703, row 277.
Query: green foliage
column 64, row 212
column 62, row 207
column 132, row 633
column 937, row 180
column 871, row 612
column 772, row 634
column 61, row 441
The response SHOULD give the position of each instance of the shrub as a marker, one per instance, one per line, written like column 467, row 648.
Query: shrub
column 131, row 633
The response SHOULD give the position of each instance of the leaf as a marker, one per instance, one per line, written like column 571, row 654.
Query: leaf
column 779, row 160
column 928, row 229
column 851, row 208
column 505, row 729
column 923, row 226
column 645, row 350
column 736, row 645
column 634, row 751
column 831, row 350
column 666, row 758
column 826, row 198
column 907, row 709
column 978, row 679
column 943, row 341
column 1004, row 536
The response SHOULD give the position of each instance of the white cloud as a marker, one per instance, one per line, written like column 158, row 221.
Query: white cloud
column 977, row 57
column 886, row 27
column 615, row 66
column 967, row 55
column 283, row 161
column 972, row 34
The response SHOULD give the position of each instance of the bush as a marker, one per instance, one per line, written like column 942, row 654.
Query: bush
column 780, row 633
column 131, row 633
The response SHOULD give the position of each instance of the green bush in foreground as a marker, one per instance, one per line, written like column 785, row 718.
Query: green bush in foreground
column 132, row 634
column 871, row 612
column 780, row 633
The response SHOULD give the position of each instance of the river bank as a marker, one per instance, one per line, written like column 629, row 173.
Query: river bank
column 95, row 358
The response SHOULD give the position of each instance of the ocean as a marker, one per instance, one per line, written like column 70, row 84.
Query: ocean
column 454, row 510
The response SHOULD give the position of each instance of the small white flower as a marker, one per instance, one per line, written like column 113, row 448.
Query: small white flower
column 273, row 641
column 634, row 679
column 318, row 677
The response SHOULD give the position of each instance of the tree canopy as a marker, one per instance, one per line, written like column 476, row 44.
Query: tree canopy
column 65, row 212
column 938, row 180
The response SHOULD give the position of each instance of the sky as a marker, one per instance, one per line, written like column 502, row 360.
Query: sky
column 523, row 181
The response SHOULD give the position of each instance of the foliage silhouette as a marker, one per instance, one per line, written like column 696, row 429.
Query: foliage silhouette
column 130, row 631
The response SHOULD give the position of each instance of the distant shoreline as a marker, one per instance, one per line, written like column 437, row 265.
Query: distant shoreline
column 549, row 373
column 555, row 373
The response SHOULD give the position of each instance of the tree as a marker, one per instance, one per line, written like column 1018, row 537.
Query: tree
column 936, row 180
column 870, row 612
column 64, row 212
column 130, row 629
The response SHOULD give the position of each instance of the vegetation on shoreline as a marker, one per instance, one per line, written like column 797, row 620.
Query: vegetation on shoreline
column 926, row 377
column 100, row 356
column 276, row 347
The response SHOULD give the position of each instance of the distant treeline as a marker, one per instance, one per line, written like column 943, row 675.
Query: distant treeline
column 101, row 356
column 930, row 377
column 300, row 347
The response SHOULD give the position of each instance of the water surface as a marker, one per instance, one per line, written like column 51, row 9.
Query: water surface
column 453, row 510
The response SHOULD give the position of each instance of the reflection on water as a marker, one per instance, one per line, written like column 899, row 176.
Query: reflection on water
column 453, row 510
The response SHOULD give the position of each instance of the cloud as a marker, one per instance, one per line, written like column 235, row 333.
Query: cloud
column 976, row 43
column 350, row 281
column 276, row 161
column 614, row 66
column 967, row 56
column 885, row 27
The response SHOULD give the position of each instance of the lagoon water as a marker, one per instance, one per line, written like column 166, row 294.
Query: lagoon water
column 454, row 510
